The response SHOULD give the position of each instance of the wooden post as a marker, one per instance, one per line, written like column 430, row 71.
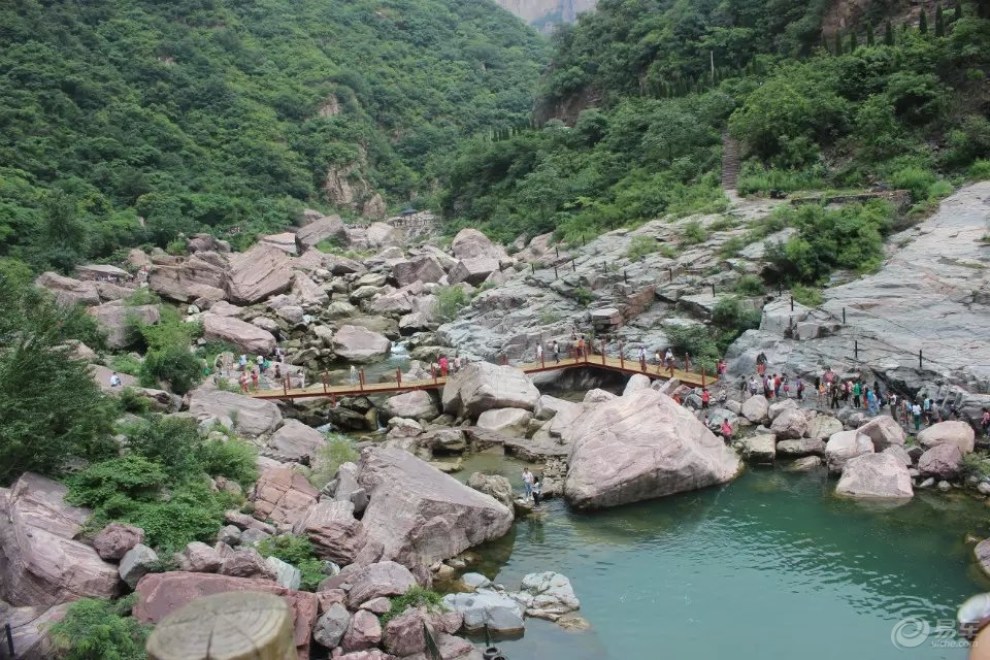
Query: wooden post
column 622, row 357
column 702, row 376
column 226, row 625
column 433, row 372
column 532, row 267
column 920, row 358
column 285, row 385
column 555, row 275
column 398, row 377
column 670, row 274
column 557, row 249
column 573, row 266
column 713, row 288
column 324, row 378
column 361, row 378
column 603, row 351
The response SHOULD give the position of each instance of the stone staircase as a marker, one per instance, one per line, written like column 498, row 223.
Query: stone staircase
column 730, row 162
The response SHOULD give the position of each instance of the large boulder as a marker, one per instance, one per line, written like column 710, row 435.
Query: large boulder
column 417, row 404
column 286, row 242
column 875, row 476
column 357, row 344
column 493, row 485
column 423, row 269
column 261, row 272
column 960, row 434
column 790, row 424
column 298, row 442
column 332, row 625
column 471, row 243
column 758, row 448
column 487, row 609
column 801, row 447
column 246, row 336
column 756, row 409
column 282, row 495
column 547, row 595
column 160, row 594
column 509, row 421
column 381, row 579
column 136, row 563
column 117, row 321
column 845, row 445
column 203, row 275
column 943, row 461
column 308, row 292
column 635, row 383
column 253, row 417
column 883, row 431
column 198, row 557
column 822, row 427
column 363, row 632
column 639, row 447
column 41, row 564
column 326, row 228
column 30, row 629
column 482, row 386
column 418, row 515
column 333, row 530
column 69, row 291
column 472, row 271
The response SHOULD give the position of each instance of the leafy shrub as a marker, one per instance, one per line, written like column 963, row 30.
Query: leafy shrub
column 980, row 170
column 756, row 179
column 583, row 296
column 234, row 459
column 549, row 316
column 914, row 179
column 450, row 300
column 298, row 551
column 173, row 365
column 171, row 442
column 126, row 363
column 940, row 189
column 806, row 295
column 338, row 450
column 133, row 402
column 693, row 339
column 99, row 630
column 732, row 315
column 142, row 296
column 750, row 285
column 416, row 597
column 731, row 247
column 640, row 246
column 693, row 233
column 131, row 477
column 976, row 464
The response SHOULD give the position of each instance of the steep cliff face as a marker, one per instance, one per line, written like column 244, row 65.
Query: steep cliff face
column 545, row 14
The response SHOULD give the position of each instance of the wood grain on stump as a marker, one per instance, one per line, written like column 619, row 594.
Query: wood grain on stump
column 243, row 625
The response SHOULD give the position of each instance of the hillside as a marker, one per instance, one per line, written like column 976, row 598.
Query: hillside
column 820, row 95
column 129, row 122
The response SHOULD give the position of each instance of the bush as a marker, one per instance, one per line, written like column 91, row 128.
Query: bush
column 99, row 630
column 171, row 442
column 234, row 459
column 298, row 551
column 914, row 179
column 131, row 477
column 640, row 246
column 732, row 315
column 583, row 296
column 142, row 296
column 693, row 233
column 126, row 363
column 976, row 465
column 750, row 285
column 132, row 401
column 807, row 296
column 338, row 450
column 51, row 411
column 416, row 597
column 980, row 170
column 173, row 365
column 450, row 300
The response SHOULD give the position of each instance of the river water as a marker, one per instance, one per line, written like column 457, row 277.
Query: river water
column 769, row 566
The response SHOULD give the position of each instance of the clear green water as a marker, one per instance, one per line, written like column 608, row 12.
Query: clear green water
column 770, row 566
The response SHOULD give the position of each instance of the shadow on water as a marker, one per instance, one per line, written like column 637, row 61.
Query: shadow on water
column 748, row 570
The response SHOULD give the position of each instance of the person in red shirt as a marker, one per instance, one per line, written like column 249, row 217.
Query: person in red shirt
column 727, row 430
column 706, row 397
column 444, row 365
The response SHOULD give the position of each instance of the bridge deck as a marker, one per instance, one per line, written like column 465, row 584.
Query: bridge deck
column 392, row 387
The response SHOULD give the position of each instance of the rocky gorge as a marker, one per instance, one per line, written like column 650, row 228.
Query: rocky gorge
column 391, row 522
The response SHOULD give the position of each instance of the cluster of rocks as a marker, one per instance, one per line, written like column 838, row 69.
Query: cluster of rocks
column 871, row 456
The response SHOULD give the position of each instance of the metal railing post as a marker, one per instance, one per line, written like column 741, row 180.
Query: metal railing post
column 398, row 377
column 361, row 378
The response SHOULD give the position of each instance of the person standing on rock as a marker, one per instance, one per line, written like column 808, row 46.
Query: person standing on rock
column 835, row 396
column 244, row 382
column 726, row 430
column 528, row 482
column 872, row 402
column 642, row 358
column 537, row 491
column 916, row 414
column 254, row 380
column 354, row 375
column 580, row 347
column 444, row 366
column 706, row 398
column 800, row 389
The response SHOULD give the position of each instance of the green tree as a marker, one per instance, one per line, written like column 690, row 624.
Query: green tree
column 888, row 34
column 923, row 22
column 939, row 21
column 51, row 410
column 853, row 41
column 838, row 43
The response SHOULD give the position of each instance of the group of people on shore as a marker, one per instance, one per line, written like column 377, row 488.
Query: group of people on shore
column 251, row 372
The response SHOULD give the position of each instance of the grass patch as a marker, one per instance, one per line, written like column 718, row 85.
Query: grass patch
column 298, row 551
column 336, row 452
column 641, row 246
column 807, row 295
column 100, row 629
column 416, row 597
column 693, row 233
column 750, row 285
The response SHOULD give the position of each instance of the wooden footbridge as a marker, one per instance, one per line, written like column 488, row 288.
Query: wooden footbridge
column 397, row 385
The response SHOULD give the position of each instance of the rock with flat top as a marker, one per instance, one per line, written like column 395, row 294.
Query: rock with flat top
column 203, row 275
column 286, row 242
column 875, row 476
column 358, row 344
column 470, row 243
column 756, row 409
column 136, row 563
column 326, row 228
column 884, row 432
column 487, row 609
column 198, row 557
column 423, row 269
column 639, row 447
column 417, row 404
column 509, row 421
column 473, row 271
column 417, row 515
column 846, row 445
column 248, row 337
column 253, row 417
column 69, row 291
column 282, row 495
column 758, row 448
column 790, row 424
column 298, row 442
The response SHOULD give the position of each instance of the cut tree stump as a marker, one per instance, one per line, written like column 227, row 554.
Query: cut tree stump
column 243, row 625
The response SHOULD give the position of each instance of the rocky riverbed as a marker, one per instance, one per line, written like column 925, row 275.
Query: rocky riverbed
column 393, row 520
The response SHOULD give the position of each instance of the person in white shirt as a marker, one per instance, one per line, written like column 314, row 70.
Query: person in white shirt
column 528, row 482
column 114, row 380
column 539, row 352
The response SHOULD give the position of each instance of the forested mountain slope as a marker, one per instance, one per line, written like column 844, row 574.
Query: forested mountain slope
column 820, row 94
column 219, row 114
